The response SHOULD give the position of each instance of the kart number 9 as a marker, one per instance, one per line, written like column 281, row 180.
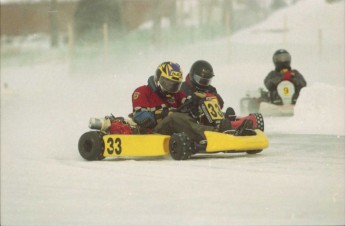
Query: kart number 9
column 286, row 91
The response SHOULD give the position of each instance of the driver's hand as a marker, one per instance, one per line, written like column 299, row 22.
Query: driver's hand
column 161, row 113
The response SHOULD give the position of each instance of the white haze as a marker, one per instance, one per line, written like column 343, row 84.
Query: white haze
column 298, row 180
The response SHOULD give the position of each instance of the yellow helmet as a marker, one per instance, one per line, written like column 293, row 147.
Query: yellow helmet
column 169, row 77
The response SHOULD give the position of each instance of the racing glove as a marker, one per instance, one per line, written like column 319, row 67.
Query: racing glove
column 196, row 99
column 145, row 119
column 161, row 114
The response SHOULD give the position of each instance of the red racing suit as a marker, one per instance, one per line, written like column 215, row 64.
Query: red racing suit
column 147, row 99
column 144, row 98
column 149, row 104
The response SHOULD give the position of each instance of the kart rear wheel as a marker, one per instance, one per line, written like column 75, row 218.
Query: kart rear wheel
column 259, row 121
column 254, row 152
column 91, row 145
column 180, row 146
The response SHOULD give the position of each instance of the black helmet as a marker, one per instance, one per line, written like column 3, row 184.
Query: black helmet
column 201, row 74
column 168, row 77
column 281, row 59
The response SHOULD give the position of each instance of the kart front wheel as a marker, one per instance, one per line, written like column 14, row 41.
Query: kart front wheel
column 180, row 146
column 259, row 121
column 91, row 145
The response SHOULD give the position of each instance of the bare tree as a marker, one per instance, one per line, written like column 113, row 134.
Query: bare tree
column 54, row 34
column 228, row 15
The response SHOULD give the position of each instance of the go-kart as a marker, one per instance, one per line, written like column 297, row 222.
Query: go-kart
column 115, row 136
column 261, row 102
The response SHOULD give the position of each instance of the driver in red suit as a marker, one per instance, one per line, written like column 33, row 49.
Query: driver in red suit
column 155, row 104
column 283, row 71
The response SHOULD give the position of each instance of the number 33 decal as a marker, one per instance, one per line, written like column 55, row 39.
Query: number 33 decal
column 214, row 110
column 114, row 145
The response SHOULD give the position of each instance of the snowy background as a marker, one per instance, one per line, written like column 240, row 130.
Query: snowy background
column 298, row 180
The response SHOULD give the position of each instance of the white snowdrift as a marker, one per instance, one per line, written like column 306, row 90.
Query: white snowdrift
column 320, row 109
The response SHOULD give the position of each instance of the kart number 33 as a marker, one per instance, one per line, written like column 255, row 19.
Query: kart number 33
column 114, row 144
column 214, row 110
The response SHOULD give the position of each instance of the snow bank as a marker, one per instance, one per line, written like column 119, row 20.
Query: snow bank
column 319, row 110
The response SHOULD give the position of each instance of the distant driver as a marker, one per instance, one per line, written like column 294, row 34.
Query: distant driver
column 283, row 71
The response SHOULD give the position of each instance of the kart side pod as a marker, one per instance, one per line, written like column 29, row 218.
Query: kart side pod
column 220, row 141
column 97, row 145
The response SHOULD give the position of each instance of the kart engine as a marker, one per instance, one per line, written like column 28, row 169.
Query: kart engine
column 111, row 125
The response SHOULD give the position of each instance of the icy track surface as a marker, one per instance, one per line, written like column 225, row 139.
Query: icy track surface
column 298, row 180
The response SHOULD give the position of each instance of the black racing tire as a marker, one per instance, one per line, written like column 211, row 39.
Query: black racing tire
column 260, row 123
column 91, row 145
column 180, row 146
column 254, row 152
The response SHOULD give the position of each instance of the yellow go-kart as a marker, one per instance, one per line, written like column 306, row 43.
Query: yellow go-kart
column 115, row 137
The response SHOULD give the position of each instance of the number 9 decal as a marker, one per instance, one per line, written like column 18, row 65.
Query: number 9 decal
column 286, row 91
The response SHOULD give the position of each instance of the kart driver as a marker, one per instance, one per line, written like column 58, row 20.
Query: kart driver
column 154, row 106
column 199, row 80
column 283, row 71
column 198, row 85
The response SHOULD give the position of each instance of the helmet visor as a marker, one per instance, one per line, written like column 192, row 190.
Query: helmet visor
column 202, row 81
column 169, row 86
column 284, row 57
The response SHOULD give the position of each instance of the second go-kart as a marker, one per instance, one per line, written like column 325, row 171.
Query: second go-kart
column 115, row 137
column 262, row 103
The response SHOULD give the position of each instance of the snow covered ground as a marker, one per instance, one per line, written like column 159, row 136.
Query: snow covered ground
column 298, row 180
